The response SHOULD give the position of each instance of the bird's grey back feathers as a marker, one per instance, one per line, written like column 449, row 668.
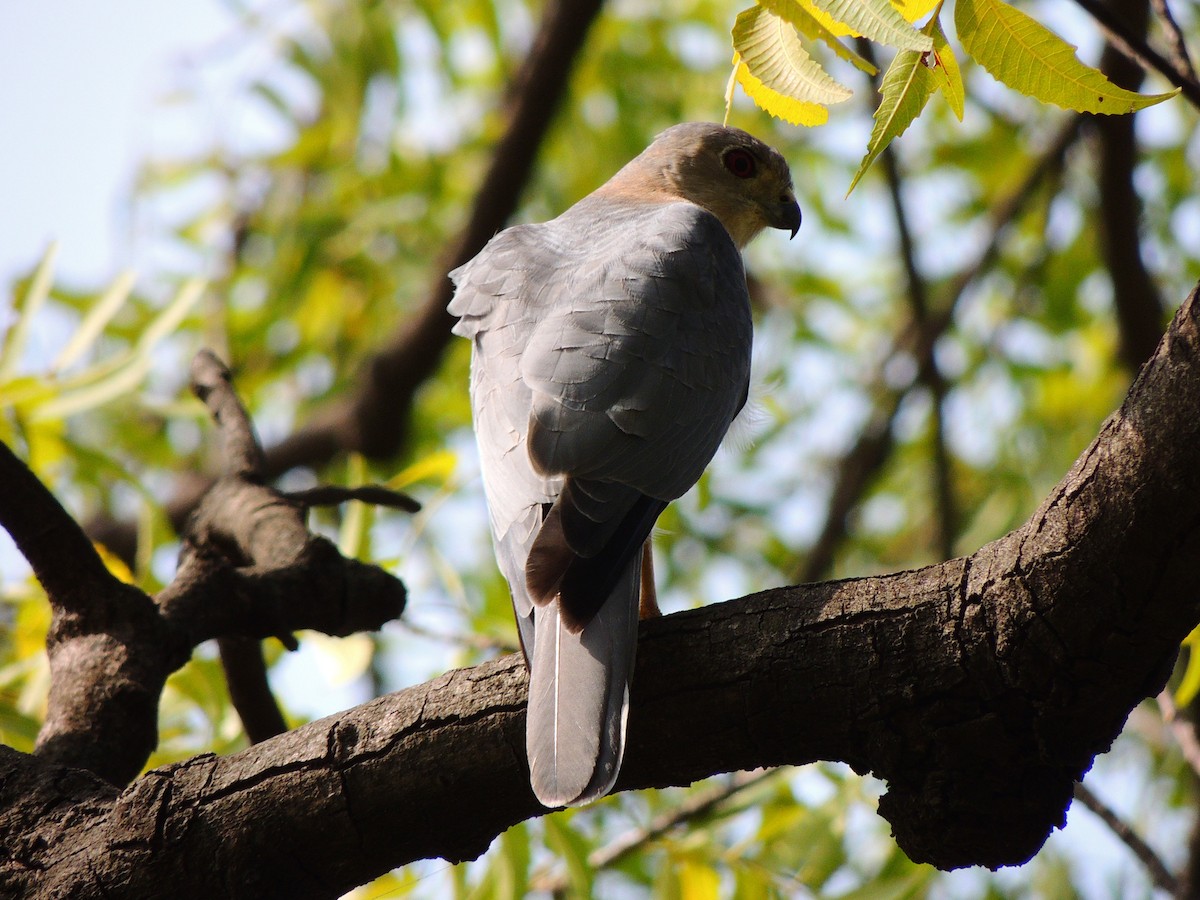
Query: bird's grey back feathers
column 611, row 346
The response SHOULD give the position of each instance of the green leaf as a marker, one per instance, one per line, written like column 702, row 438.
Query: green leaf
column 802, row 19
column 1029, row 58
column 573, row 850
column 27, row 308
column 770, row 51
column 906, row 89
column 877, row 20
column 129, row 375
column 1189, row 685
column 95, row 321
column 781, row 106
column 914, row 9
column 947, row 73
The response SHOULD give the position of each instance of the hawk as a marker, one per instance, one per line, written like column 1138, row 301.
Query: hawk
column 610, row 353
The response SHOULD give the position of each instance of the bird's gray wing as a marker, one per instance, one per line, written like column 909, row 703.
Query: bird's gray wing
column 498, row 298
column 635, row 376
column 611, row 351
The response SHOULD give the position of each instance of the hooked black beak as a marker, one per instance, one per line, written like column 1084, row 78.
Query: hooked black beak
column 786, row 214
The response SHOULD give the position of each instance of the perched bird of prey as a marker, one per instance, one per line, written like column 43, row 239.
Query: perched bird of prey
column 611, row 351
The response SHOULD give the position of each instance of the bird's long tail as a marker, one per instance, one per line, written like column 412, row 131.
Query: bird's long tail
column 579, row 696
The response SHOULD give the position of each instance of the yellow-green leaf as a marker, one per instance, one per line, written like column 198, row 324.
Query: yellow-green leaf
column 796, row 112
column 801, row 17
column 947, row 73
column 27, row 308
column 877, row 20
column 906, row 88
column 770, row 51
column 1032, row 59
column 437, row 466
column 914, row 9
column 95, row 321
column 1189, row 685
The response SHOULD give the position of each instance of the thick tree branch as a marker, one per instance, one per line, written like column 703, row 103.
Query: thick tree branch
column 248, row 568
column 993, row 681
column 374, row 419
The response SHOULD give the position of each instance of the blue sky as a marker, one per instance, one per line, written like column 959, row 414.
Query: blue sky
column 79, row 83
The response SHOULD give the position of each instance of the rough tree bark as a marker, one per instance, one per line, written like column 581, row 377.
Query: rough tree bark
column 980, row 689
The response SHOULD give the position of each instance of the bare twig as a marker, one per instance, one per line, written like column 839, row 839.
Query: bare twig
column 1183, row 730
column 1155, row 867
column 696, row 806
column 1125, row 39
column 870, row 451
column 333, row 494
column 1179, row 52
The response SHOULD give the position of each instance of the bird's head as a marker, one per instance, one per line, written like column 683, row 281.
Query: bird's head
column 735, row 176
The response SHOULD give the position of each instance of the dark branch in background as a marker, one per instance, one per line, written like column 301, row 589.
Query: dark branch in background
column 945, row 513
column 374, row 419
column 1180, row 58
column 1139, row 308
column 915, row 341
column 695, row 807
column 1160, row 875
column 995, row 681
column 248, row 568
column 1128, row 41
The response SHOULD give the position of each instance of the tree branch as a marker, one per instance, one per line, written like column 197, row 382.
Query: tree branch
column 980, row 689
column 1132, row 45
column 1138, row 306
column 917, row 340
column 248, row 568
column 1160, row 875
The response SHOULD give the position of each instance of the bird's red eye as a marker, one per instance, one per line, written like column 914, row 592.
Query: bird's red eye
column 740, row 163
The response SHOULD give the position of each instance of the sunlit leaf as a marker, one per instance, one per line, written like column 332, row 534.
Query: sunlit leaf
column 946, row 72
column 795, row 86
column 93, row 323
column 27, row 308
column 438, row 466
column 906, row 89
column 804, row 19
column 1189, row 685
column 131, row 374
column 877, row 20
column 912, row 10
column 1032, row 59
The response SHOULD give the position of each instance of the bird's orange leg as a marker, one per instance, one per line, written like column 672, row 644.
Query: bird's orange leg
column 648, row 608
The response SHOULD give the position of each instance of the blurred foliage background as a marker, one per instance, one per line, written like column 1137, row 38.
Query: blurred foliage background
column 932, row 353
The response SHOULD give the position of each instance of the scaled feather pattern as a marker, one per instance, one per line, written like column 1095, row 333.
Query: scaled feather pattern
column 611, row 352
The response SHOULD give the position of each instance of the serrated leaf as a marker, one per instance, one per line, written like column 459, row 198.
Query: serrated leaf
column 791, row 110
column 877, row 20
column 769, row 49
column 801, row 17
column 914, row 9
column 947, row 73
column 906, row 89
column 1032, row 59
